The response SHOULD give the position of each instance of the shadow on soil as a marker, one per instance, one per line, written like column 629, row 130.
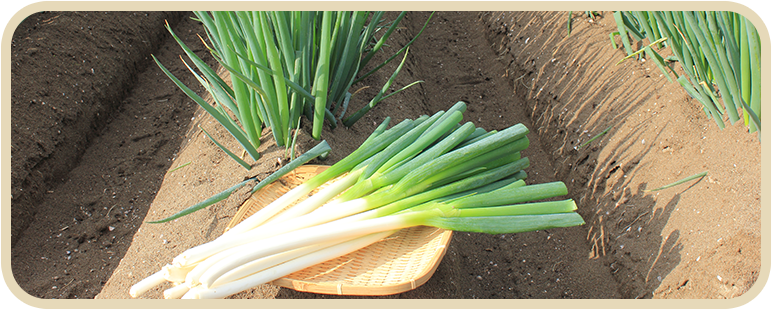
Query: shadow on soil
column 573, row 91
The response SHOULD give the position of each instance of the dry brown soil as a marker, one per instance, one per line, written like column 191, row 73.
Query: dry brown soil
column 96, row 126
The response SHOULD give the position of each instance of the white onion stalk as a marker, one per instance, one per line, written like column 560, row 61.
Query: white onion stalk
column 272, row 209
column 193, row 292
column 175, row 273
column 328, row 232
column 278, row 271
column 194, row 276
column 177, row 291
column 274, row 226
column 146, row 284
column 270, row 261
column 318, row 199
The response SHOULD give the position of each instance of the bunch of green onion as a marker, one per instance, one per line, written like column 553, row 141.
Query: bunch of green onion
column 284, row 65
column 432, row 171
column 720, row 49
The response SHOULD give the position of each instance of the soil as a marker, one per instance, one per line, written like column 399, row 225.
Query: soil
column 93, row 154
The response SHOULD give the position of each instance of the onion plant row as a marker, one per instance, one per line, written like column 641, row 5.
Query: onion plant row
column 284, row 65
column 433, row 171
column 719, row 52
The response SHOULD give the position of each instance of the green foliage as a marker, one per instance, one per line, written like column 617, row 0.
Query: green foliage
column 719, row 53
column 284, row 65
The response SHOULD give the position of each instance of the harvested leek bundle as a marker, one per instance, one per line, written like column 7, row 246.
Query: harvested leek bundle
column 432, row 171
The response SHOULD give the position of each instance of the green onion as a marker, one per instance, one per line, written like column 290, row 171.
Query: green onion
column 227, row 151
column 415, row 173
column 322, row 76
column 285, row 64
column 343, row 166
column 714, row 48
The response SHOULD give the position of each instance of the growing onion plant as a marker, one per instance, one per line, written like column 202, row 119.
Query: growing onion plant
column 719, row 52
column 433, row 171
column 284, row 65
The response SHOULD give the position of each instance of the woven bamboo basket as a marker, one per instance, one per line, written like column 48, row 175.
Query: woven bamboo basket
column 395, row 264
